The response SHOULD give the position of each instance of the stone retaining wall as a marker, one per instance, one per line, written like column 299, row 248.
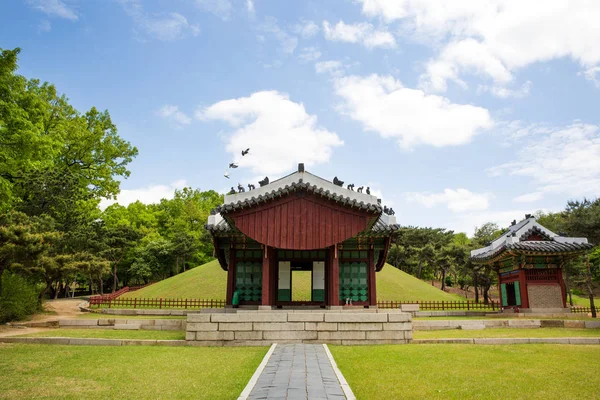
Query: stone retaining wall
column 471, row 324
column 125, row 324
column 261, row 328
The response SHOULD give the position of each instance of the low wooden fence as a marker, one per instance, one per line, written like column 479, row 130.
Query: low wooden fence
column 582, row 310
column 443, row 305
column 99, row 298
column 157, row 303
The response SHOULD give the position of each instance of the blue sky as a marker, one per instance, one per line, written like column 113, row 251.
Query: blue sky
column 456, row 113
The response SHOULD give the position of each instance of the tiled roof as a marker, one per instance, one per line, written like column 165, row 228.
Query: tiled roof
column 515, row 238
column 541, row 246
column 299, row 181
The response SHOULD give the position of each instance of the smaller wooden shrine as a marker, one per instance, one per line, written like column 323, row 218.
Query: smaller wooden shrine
column 529, row 259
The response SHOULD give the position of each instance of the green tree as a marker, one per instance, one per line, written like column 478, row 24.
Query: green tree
column 23, row 241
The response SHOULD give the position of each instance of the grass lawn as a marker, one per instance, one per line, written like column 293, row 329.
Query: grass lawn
column 110, row 316
column 110, row 334
column 507, row 333
column 583, row 301
column 208, row 281
column 132, row 372
column 579, row 317
column 471, row 372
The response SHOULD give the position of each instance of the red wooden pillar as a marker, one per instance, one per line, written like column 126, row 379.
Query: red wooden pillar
column 372, row 282
column 523, row 289
column 335, row 278
column 230, row 277
column 266, row 278
column 500, row 288
column 563, row 288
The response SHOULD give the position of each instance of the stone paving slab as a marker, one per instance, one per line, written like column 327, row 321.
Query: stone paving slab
column 298, row 372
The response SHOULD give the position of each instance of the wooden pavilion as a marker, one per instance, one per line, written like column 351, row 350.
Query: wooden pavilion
column 301, row 222
column 529, row 259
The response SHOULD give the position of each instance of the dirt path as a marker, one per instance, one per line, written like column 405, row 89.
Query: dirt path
column 55, row 310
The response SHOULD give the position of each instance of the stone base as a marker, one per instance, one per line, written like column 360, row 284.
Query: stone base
column 261, row 328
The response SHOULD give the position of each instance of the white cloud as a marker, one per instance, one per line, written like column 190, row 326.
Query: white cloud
column 467, row 222
column 495, row 38
column 279, row 132
column 593, row 75
column 332, row 67
column 220, row 8
column 54, row 8
column 363, row 33
column 306, row 29
column 457, row 200
column 172, row 113
column 165, row 27
column 250, row 6
column 44, row 26
column 505, row 92
column 147, row 195
column 308, row 54
column 288, row 42
column 383, row 105
column 529, row 197
column 558, row 159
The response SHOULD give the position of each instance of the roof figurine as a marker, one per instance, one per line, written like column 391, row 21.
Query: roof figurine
column 264, row 182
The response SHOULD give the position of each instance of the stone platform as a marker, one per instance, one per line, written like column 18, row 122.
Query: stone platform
column 262, row 328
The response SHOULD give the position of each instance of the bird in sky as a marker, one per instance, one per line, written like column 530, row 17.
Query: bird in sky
column 233, row 165
column 244, row 152
column 226, row 175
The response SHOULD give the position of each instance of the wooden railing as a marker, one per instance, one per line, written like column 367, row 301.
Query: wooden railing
column 550, row 275
column 442, row 305
column 582, row 310
column 111, row 296
column 157, row 303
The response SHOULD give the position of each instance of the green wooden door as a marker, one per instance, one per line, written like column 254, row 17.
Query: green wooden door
column 517, row 294
column 503, row 293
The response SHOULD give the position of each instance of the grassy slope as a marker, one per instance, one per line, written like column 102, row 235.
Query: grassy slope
column 130, row 372
column 208, row 282
column 529, row 371
column 110, row 334
column 507, row 333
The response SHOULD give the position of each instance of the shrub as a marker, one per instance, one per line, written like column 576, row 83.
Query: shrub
column 448, row 281
column 577, row 292
column 18, row 299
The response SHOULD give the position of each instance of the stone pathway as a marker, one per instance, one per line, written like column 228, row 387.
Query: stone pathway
column 298, row 371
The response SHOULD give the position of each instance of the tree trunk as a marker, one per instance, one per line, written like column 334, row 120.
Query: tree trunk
column 114, row 288
column 589, row 287
column 476, row 287
column 1, row 274
column 57, row 290
column 420, row 269
column 443, row 280
column 486, row 299
column 44, row 291
column 91, row 285
column 101, row 285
